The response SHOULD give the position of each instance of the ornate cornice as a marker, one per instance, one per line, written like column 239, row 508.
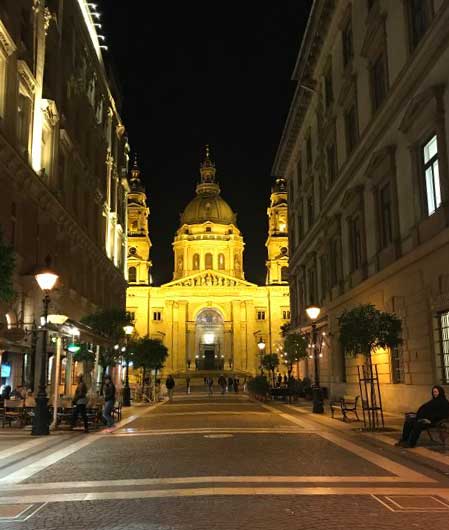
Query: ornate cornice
column 6, row 40
column 26, row 76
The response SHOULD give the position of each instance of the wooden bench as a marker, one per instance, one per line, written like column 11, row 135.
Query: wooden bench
column 345, row 404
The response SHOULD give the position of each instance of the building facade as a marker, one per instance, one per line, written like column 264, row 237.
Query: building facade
column 365, row 153
column 209, row 316
column 63, row 169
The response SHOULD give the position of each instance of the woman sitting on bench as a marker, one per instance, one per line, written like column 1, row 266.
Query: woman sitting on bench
column 429, row 413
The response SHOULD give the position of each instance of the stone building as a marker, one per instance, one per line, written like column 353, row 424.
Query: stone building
column 209, row 317
column 365, row 154
column 63, row 168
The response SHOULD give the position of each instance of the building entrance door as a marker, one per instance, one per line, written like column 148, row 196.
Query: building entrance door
column 209, row 359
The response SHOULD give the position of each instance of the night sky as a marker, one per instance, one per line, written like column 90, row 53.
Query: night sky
column 193, row 74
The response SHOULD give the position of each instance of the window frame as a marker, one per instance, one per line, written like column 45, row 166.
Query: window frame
column 425, row 166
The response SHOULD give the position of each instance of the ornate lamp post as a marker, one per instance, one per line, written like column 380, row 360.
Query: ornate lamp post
column 46, row 279
column 313, row 312
column 261, row 345
column 128, row 329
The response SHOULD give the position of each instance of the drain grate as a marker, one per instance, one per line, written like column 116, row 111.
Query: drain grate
column 412, row 503
column 18, row 513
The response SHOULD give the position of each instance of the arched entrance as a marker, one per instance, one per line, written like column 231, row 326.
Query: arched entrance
column 209, row 340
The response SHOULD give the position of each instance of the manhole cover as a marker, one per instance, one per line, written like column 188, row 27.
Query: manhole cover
column 218, row 436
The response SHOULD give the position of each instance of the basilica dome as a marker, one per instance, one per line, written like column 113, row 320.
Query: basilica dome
column 208, row 205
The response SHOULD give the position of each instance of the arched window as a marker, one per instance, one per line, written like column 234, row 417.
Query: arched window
column 208, row 261
column 221, row 262
column 196, row 262
column 284, row 274
column 132, row 274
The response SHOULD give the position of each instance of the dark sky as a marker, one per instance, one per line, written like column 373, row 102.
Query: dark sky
column 194, row 73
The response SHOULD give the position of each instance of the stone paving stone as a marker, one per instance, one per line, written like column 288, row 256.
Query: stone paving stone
column 229, row 513
column 186, row 455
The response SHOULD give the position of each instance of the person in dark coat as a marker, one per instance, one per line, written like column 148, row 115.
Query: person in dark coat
column 430, row 412
column 109, row 400
column 79, row 404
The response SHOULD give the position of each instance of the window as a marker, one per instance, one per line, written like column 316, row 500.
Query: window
column 420, row 17
column 323, row 271
column 260, row 315
column 221, row 262
column 132, row 274
column 310, row 213
column 385, row 211
column 351, row 129
column 331, row 156
column 196, row 262
column 355, row 239
column 443, row 324
column 347, row 43
column 432, row 175
column 397, row 365
column 157, row 315
column 284, row 274
column 285, row 314
column 208, row 229
column 379, row 81
column 208, row 261
column 309, row 150
column 23, row 121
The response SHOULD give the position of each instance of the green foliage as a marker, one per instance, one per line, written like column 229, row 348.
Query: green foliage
column 148, row 353
column 7, row 264
column 270, row 361
column 258, row 385
column 285, row 329
column 364, row 328
column 108, row 322
column 108, row 356
column 295, row 346
column 84, row 355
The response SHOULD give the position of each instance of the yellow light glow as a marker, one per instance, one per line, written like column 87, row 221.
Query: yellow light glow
column 208, row 338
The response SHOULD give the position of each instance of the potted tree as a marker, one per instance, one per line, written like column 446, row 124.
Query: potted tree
column 148, row 354
column 363, row 330
column 270, row 362
column 295, row 347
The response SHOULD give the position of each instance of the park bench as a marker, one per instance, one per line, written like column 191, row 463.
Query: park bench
column 345, row 404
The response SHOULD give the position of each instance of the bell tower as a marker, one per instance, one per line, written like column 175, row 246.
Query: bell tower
column 277, row 241
column 139, row 243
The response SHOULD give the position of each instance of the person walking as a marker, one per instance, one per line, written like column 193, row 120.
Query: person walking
column 430, row 412
column 210, row 384
column 222, row 383
column 109, row 400
column 170, row 384
column 79, row 404
column 230, row 383
column 187, row 384
column 236, row 384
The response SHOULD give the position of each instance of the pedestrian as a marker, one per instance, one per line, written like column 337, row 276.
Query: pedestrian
column 210, row 384
column 187, row 384
column 170, row 384
column 279, row 380
column 291, row 385
column 79, row 404
column 430, row 412
column 109, row 400
column 236, row 385
column 222, row 383
column 285, row 379
column 230, row 383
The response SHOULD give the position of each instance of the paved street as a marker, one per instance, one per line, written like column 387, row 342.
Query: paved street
column 221, row 462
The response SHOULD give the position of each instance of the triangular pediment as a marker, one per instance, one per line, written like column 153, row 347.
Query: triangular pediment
column 209, row 278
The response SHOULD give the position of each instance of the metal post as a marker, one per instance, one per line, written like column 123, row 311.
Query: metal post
column 41, row 417
column 316, row 390
column 126, row 389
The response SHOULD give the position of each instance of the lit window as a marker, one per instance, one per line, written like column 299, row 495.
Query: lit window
column 221, row 262
column 196, row 262
column 443, row 325
column 432, row 175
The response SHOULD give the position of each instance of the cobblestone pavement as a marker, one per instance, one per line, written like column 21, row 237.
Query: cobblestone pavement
column 221, row 462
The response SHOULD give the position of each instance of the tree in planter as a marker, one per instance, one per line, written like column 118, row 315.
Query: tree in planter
column 7, row 264
column 109, row 323
column 363, row 330
column 149, row 354
column 295, row 346
column 270, row 362
column 258, row 386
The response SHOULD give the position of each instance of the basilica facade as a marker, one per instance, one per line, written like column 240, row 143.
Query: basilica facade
column 209, row 317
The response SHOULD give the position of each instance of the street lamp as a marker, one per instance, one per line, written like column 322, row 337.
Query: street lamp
column 46, row 279
column 128, row 329
column 261, row 345
column 313, row 312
